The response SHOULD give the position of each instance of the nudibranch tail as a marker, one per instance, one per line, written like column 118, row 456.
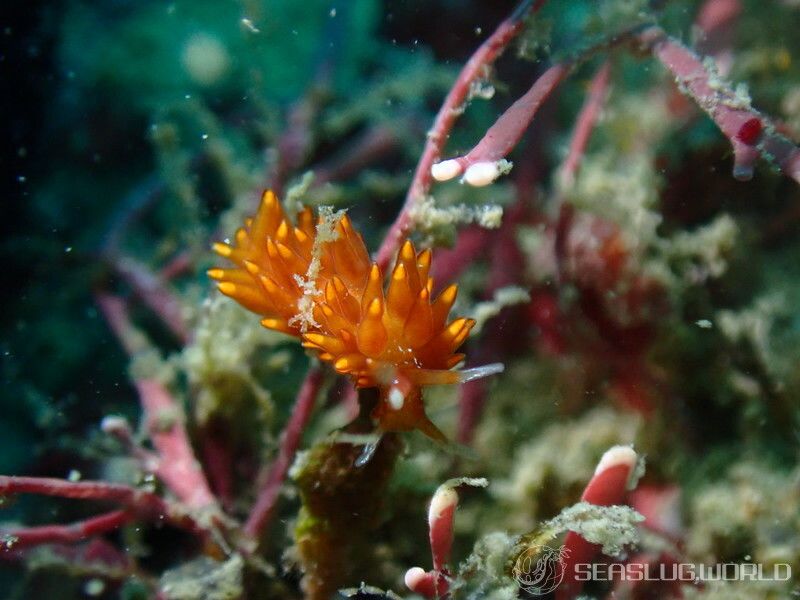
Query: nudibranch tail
column 313, row 279
column 441, row 377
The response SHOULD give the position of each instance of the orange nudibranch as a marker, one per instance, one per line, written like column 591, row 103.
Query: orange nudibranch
column 314, row 280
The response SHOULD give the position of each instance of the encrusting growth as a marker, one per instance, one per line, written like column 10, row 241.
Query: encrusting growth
column 397, row 339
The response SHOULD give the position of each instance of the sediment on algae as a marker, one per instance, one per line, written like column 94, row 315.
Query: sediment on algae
column 341, row 506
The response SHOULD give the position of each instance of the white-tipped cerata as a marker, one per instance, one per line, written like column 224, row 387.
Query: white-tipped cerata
column 445, row 498
column 414, row 578
column 617, row 455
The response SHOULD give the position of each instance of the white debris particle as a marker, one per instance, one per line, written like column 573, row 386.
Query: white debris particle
column 326, row 232
column 503, row 297
column 248, row 24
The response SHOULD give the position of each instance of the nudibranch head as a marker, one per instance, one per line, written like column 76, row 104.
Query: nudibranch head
column 314, row 280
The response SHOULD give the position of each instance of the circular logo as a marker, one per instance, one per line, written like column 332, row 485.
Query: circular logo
column 540, row 569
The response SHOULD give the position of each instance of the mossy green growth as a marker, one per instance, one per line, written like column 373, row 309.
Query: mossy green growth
column 204, row 578
column 487, row 574
column 342, row 504
column 749, row 515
